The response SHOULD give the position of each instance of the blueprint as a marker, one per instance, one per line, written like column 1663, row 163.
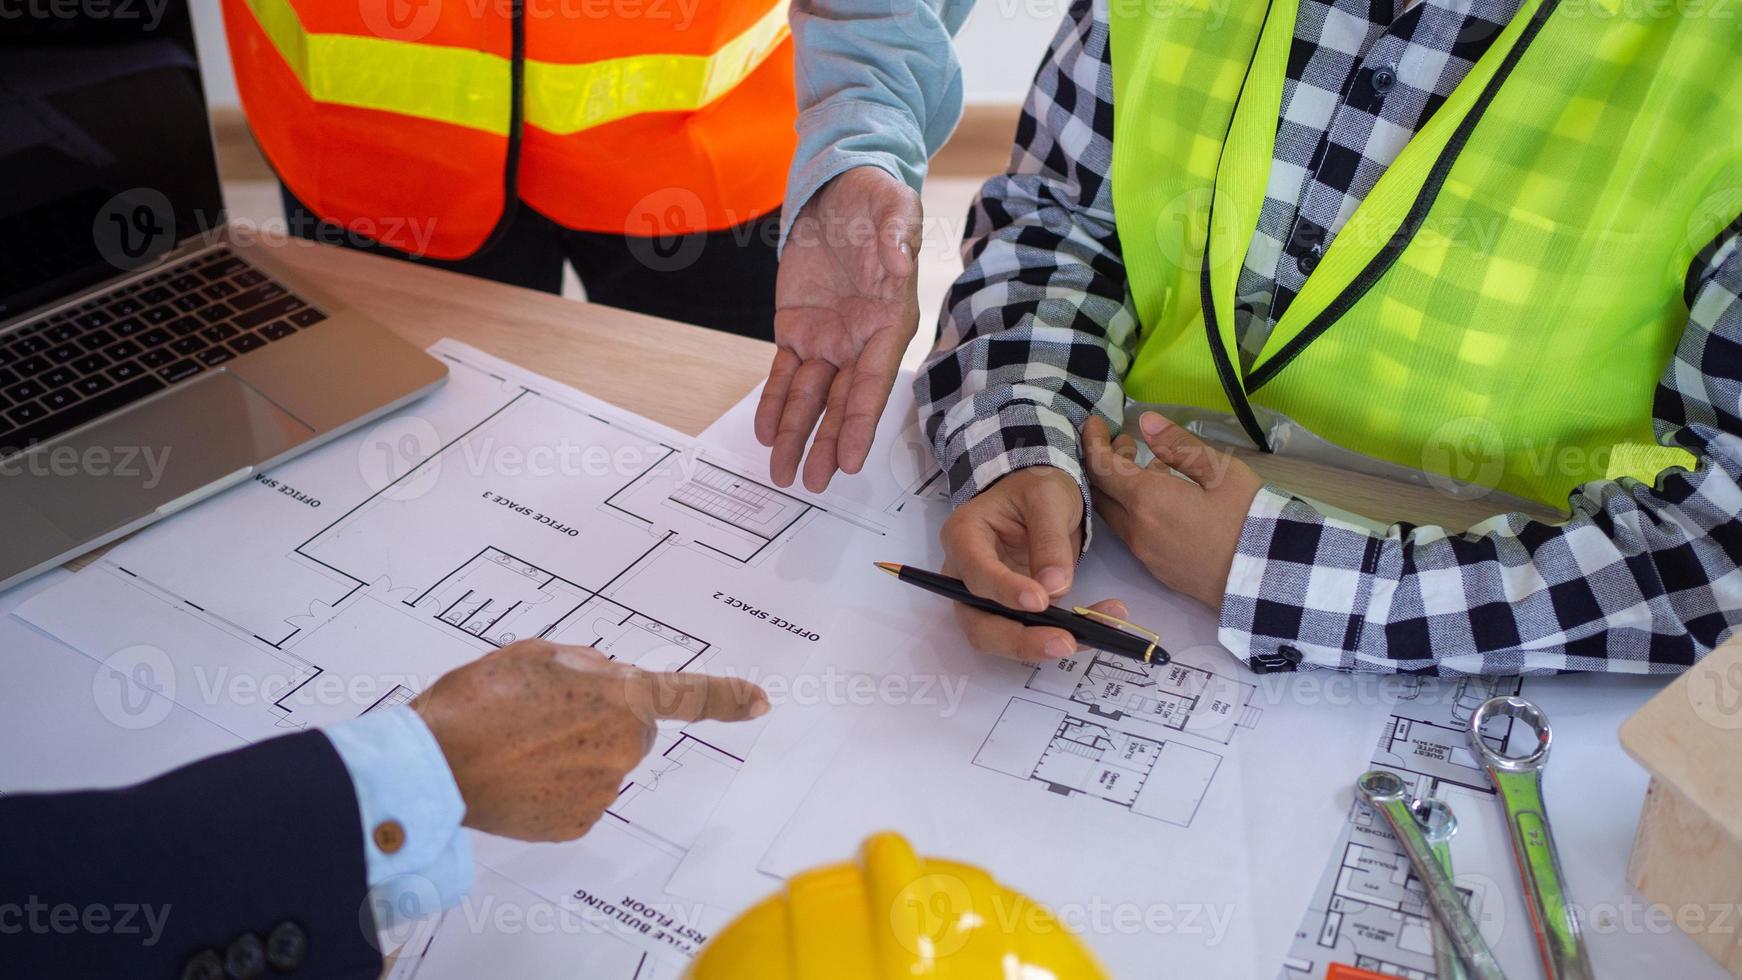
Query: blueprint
column 1156, row 808
column 1182, row 816
column 72, row 723
column 501, row 929
column 1368, row 910
column 502, row 507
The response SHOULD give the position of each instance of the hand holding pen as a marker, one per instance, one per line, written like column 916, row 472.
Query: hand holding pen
column 1016, row 544
column 1087, row 627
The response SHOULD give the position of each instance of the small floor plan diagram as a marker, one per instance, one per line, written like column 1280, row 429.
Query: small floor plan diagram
column 1368, row 909
column 1164, row 781
column 499, row 598
column 1428, row 735
column 1375, row 915
column 1174, row 696
column 743, row 516
column 504, row 509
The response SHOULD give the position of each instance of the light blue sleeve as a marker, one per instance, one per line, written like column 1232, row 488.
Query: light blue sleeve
column 401, row 776
column 878, row 85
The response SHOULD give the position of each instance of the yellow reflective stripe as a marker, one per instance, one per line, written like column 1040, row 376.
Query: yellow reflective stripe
column 391, row 76
column 564, row 98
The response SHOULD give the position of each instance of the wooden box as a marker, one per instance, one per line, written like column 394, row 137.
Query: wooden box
column 1687, row 856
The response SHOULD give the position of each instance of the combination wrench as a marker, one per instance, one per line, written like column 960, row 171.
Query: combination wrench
column 1386, row 792
column 1518, row 781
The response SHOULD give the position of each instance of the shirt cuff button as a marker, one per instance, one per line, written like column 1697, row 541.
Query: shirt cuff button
column 389, row 836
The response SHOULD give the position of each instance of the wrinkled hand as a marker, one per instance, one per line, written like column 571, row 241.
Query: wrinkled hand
column 540, row 736
column 846, row 306
column 1184, row 530
column 1017, row 544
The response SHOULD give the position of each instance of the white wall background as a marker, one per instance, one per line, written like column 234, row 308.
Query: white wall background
column 999, row 47
column 214, row 55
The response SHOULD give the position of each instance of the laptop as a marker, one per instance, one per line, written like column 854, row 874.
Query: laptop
column 149, row 357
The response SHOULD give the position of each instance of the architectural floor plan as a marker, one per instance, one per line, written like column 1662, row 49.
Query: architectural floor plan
column 1369, row 910
column 1068, row 754
column 1175, row 696
column 501, row 508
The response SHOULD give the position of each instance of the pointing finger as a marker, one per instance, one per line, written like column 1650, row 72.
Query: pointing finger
column 693, row 697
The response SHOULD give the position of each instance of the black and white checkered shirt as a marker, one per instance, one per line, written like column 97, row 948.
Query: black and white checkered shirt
column 1039, row 330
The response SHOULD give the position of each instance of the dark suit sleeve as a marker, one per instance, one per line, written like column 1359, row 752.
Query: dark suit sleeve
column 251, row 859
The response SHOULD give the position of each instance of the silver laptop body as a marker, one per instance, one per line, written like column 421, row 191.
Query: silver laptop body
column 165, row 371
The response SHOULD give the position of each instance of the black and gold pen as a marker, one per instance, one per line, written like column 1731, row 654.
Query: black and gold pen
column 1091, row 627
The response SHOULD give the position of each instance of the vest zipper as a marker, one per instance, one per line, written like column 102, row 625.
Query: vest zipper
column 1225, row 371
column 1424, row 201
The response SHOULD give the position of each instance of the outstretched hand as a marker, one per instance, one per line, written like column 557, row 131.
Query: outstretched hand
column 846, row 306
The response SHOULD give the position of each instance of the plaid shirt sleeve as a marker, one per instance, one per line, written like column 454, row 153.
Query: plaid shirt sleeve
column 1642, row 579
column 1038, row 330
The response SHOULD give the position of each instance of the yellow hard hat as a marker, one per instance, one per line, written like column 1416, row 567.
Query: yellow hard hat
column 894, row 914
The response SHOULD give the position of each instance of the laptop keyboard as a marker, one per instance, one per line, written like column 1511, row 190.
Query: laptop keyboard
column 85, row 362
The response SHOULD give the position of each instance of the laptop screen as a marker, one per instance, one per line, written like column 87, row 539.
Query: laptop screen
column 106, row 156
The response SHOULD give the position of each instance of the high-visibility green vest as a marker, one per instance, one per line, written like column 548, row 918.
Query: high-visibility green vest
column 1502, row 304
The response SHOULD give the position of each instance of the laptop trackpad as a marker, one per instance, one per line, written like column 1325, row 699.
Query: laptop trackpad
column 75, row 489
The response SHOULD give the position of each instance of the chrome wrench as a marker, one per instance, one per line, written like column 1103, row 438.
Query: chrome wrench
column 1438, row 825
column 1386, row 792
column 1518, row 780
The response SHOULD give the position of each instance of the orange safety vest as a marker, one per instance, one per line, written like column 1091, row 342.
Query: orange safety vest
column 417, row 122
